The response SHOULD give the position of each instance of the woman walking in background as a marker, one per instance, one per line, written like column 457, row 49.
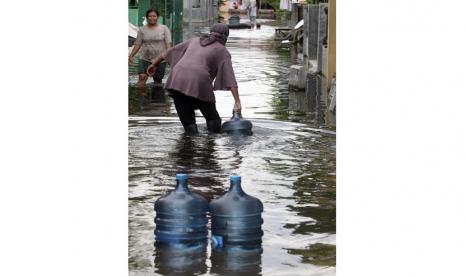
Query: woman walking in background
column 252, row 9
column 152, row 40
column 195, row 65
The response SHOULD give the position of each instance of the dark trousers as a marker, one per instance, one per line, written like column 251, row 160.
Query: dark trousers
column 159, row 72
column 186, row 106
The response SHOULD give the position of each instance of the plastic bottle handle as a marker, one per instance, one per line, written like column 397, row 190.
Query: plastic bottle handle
column 236, row 115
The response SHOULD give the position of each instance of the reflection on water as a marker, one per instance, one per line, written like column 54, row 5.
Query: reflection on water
column 288, row 163
column 181, row 260
column 236, row 260
column 195, row 155
column 152, row 102
column 318, row 254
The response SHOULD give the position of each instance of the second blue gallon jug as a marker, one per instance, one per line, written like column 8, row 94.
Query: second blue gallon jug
column 236, row 217
column 181, row 216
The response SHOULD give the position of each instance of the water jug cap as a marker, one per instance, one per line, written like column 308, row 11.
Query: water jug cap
column 235, row 178
column 181, row 176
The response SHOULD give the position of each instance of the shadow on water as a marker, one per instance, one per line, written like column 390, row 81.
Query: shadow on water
column 289, row 163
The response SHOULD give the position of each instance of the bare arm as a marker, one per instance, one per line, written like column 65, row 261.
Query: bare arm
column 134, row 52
column 158, row 60
column 237, row 100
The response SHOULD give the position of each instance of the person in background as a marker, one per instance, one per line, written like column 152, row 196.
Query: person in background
column 152, row 40
column 252, row 8
column 198, row 67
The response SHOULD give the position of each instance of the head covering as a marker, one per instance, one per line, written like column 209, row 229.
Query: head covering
column 219, row 32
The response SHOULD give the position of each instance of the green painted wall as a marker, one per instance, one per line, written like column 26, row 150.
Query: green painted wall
column 144, row 5
column 132, row 16
column 171, row 11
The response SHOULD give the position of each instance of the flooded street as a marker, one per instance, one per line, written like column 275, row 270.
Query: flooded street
column 289, row 163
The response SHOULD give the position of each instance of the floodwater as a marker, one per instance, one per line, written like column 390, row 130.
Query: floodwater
column 289, row 163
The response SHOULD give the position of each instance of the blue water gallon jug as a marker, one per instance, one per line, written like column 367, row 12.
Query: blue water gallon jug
column 236, row 217
column 181, row 216
column 237, row 124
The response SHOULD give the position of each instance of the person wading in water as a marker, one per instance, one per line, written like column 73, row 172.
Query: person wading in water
column 198, row 67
